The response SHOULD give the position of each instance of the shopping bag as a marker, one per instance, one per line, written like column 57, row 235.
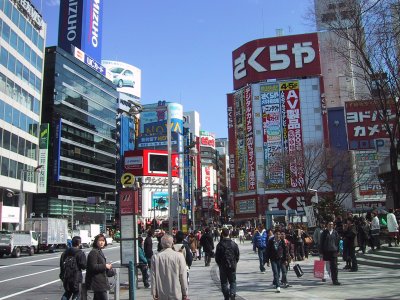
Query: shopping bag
column 319, row 269
column 297, row 269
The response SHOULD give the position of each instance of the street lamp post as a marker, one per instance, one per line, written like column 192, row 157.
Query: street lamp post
column 21, row 196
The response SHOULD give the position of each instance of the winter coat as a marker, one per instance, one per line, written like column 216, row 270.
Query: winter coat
column 193, row 243
column 329, row 246
column 392, row 224
column 169, row 275
column 96, row 273
column 260, row 240
column 207, row 242
column 350, row 235
column 80, row 260
column 148, row 247
column 226, row 243
column 277, row 251
column 142, row 257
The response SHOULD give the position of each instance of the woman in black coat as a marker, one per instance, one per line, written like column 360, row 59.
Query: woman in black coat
column 97, row 269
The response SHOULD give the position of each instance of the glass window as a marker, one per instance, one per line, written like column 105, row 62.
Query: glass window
column 1, row 4
column 18, row 69
column 21, row 45
column 21, row 146
column 15, row 120
column 13, row 169
column 14, row 143
column 32, row 80
column 22, row 24
column 6, row 139
column 5, row 32
column 39, row 63
column 1, row 110
column 25, row 74
column 15, row 16
column 40, row 43
column 4, row 57
column 35, row 36
column 36, row 106
column 11, row 63
column 3, row 81
column 4, row 163
column 1, row 135
column 13, row 39
column 28, row 30
column 38, row 84
column 27, row 53
column 7, row 113
column 28, row 148
column 29, row 103
column 20, row 166
column 33, row 58
column 22, row 122
column 7, row 8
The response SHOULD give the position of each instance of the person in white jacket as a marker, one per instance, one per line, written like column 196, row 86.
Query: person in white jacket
column 375, row 231
column 393, row 227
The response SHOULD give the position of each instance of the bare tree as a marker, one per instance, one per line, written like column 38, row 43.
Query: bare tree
column 365, row 34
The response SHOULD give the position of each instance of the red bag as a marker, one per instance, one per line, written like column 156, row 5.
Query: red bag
column 319, row 268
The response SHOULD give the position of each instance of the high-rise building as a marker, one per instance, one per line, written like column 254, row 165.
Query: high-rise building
column 22, row 35
column 81, row 107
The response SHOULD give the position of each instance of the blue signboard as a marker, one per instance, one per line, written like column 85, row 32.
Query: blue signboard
column 80, row 26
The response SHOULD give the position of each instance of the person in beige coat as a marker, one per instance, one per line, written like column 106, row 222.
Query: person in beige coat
column 168, row 273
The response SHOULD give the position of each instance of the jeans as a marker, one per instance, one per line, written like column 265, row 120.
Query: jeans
column 261, row 253
column 75, row 295
column 284, row 272
column 276, row 270
column 143, row 269
column 225, row 276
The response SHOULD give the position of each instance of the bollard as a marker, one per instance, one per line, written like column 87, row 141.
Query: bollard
column 117, row 284
column 132, row 279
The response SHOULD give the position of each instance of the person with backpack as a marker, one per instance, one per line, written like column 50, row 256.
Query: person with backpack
column 98, row 269
column 227, row 256
column 72, row 262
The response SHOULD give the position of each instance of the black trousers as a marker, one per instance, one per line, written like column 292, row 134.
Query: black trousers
column 334, row 268
column 228, row 282
column 100, row 296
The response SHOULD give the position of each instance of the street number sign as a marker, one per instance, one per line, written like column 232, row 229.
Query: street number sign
column 128, row 179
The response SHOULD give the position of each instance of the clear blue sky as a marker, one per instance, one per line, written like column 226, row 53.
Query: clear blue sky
column 184, row 48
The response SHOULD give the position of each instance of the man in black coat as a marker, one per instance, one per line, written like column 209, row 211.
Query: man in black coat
column 350, row 236
column 206, row 241
column 329, row 248
column 148, row 246
column 80, row 258
column 227, row 257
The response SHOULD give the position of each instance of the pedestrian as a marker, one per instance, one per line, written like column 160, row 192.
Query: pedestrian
column 375, row 228
column 72, row 262
column 329, row 248
column 393, row 227
column 168, row 272
column 216, row 234
column 207, row 243
column 350, row 236
column 193, row 244
column 198, row 237
column 299, row 236
column 227, row 257
column 285, row 262
column 241, row 235
column 259, row 245
column 277, row 254
column 98, row 269
column 143, row 265
column 182, row 246
column 148, row 246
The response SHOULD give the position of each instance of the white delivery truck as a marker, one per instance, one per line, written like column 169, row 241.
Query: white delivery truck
column 86, row 241
column 15, row 243
column 94, row 229
column 52, row 232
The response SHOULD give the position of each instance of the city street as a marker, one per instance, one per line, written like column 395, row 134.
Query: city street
column 36, row 278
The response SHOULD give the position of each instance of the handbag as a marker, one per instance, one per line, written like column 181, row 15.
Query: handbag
column 110, row 272
column 308, row 240
column 319, row 269
column 297, row 269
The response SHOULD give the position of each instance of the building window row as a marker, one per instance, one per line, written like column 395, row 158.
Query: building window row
column 12, row 38
column 18, row 119
column 12, row 168
column 18, row 94
column 20, row 21
column 85, row 173
column 22, row 72
column 17, row 144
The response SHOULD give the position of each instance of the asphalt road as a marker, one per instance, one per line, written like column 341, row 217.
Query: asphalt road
column 36, row 277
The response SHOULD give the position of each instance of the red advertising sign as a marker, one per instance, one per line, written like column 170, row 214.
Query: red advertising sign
column 250, row 139
column 295, row 139
column 232, row 144
column 364, row 125
column 207, row 139
column 278, row 57
column 128, row 202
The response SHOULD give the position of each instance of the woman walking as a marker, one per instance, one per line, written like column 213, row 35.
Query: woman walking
column 98, row 270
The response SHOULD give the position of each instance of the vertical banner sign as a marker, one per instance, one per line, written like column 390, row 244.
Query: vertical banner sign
column 43, row 158
column 272, row 135
column 232, row 139
column 241, row 156
column 126, row 202
column 250, row 139
column 295, row 141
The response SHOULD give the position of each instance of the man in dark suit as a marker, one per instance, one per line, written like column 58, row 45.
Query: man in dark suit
column 329, row 248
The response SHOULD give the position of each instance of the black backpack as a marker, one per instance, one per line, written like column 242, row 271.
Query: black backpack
column 70, row 273
column 229, row 257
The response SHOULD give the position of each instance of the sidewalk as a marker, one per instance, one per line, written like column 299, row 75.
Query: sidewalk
column 368, row 283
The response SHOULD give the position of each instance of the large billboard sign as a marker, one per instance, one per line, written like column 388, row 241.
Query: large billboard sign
column 279, row 57
column 80, row 25
column 126, row 78
column 364, row 125
column 232, row 144
column 43, row 157
column 207, row 139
